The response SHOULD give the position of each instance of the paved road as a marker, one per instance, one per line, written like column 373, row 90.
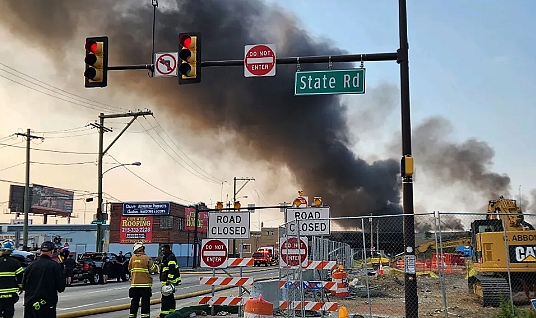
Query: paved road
column 82, row 297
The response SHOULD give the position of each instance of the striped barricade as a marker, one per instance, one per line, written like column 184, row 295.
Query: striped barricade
column 241, row 262
column 226, row 281
column 221, row 300
column 308, row 305
column 308, row 285
column 317, row 265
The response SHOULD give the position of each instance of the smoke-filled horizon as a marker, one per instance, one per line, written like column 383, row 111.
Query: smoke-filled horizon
column 309, row 134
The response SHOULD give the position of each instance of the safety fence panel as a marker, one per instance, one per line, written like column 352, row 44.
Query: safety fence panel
column 485, row 260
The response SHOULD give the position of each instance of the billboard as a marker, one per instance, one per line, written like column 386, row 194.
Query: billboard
column 202, row 222
column 48, row 200
column 146, row 208
column 44, row 200
column 136, row 229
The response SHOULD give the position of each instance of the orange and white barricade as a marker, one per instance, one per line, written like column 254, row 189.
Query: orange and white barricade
column 340, row 277
column 226, row 281
column 309, row 305
column 258, row 308
column 220, row 300
column 241, row 262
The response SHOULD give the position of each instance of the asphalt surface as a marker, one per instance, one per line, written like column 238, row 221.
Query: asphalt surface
column 80, row 297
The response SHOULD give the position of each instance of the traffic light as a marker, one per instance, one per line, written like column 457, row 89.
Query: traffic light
column 317, row 201
column 237, row 205
column 219, row 205
column 297, row 202
column 96, row 72
column 190, row 58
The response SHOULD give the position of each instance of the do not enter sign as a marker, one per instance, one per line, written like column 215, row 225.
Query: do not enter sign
column 214, row 253
column 292, row 252
column 259, row 60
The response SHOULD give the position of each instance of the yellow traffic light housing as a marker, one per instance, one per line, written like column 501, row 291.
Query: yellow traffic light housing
column 317, row 201
column 96, row 71
column 407, row 166
column 297, row 202
column 219, row 205
column 237, row 205
column 190, row 58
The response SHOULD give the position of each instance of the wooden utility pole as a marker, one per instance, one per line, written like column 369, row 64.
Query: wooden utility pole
column 28, row 135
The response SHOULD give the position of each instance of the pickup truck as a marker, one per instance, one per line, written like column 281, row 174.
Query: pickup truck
column 89, row 268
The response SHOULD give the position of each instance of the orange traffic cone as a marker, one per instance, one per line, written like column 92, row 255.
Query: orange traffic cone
column 381, row 268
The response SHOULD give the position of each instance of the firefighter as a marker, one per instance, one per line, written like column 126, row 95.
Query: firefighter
column 42, row 281
column 169, row 275
column 140, row 266
column 10, row 280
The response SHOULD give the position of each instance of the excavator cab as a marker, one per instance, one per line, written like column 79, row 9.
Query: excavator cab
column 482, row 226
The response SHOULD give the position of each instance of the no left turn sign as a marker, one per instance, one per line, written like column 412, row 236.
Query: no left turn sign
column 165, row 64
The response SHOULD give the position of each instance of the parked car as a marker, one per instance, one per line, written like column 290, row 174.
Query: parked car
column 89, row 268
column 25, row 258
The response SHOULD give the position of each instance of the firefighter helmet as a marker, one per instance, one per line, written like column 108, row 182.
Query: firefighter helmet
column 7, row 247
column 167, row 289
column 138, row 246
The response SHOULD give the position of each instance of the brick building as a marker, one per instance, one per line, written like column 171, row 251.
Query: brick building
column 156, row 223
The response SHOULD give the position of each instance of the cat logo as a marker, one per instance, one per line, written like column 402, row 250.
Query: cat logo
column 525, row 254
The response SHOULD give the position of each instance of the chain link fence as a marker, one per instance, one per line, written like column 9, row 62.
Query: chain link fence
column 467, row 265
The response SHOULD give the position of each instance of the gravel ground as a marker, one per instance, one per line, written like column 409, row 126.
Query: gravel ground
column 387, row 297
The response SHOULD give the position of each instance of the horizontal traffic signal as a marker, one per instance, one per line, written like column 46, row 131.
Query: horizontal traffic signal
column 96, row 60
column 190, row 58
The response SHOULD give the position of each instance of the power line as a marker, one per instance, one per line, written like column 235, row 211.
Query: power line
column 61, row 131
column 51, row 150
column 13, row 166
column 150, row 184
column 63, row 164
column 61, row 92
column 71, row 136
column 185, row 155
column 195, row 173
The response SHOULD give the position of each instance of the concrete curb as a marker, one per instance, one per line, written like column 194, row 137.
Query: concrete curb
column 102, row 310
column 221, row 272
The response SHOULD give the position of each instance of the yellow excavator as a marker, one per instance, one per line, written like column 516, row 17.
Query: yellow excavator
column 504, row 253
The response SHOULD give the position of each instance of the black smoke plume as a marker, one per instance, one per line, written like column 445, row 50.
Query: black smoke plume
column 309, row 135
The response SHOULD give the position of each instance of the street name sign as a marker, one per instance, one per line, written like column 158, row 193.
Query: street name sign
column 330, row 82
column 293, row 253
column 214, row 253
column 313, row 221
column 259, row 60
column 228, row 225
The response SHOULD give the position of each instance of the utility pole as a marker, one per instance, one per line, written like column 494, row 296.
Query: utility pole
column 102, row 129
column 28, row 135
column 235, row 192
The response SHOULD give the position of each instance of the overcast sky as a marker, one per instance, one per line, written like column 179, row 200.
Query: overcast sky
column 470, row 62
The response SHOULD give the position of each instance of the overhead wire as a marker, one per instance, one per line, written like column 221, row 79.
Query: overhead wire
column 194, row 172
column 78, row 100
column 13, row 166
column 51, row 150
column 63, row 163
column 184, row 154
column 150, row 184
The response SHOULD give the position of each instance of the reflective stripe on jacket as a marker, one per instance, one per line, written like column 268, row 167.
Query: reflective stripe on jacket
column 10, row 275
column 170, row 270
column 140, row 267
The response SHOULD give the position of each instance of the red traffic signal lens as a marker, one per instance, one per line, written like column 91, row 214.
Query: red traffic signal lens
column 91, row 46
column 185, row 41
column 90, row 73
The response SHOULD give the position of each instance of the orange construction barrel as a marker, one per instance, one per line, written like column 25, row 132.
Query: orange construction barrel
column 340, row 277
column 258, row 308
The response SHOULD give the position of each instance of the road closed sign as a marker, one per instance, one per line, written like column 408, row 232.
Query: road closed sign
column 310, row 221
column 228, row 225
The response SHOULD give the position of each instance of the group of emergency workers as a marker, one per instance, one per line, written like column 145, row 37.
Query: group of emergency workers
column 43, row 279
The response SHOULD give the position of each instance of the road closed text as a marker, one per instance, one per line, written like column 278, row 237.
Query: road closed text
column 228, row 225
column 308, row 221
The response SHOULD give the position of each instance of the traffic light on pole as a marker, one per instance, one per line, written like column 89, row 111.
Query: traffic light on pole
column 96, row 72
column 190, row 58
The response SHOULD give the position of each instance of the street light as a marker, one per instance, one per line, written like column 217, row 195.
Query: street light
column 99, row 201
column 137, row 163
